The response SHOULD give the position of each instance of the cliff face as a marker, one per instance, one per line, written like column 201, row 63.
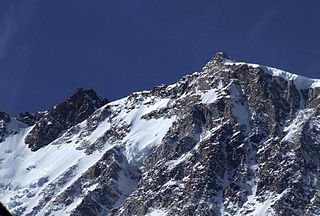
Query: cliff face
column 233, row 139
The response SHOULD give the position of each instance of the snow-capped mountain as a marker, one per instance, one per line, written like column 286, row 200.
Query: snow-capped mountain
column 233, row 139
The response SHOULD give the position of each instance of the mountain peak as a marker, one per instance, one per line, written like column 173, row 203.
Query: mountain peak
column 218, row 59
column 72, row 111
column 220, row 56
column 81, row 95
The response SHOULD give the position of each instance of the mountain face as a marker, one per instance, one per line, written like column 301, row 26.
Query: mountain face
column 233, row 139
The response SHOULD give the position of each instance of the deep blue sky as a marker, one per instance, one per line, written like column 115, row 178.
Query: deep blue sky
column 50, row 48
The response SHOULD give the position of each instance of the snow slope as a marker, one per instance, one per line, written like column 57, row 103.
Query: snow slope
column 24, row 174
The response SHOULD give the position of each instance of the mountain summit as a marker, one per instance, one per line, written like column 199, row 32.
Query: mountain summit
column 233, row 139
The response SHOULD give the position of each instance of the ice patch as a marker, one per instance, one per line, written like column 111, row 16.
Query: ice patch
column 209, row 97
column 296, row 126
column 157, row 212
column 240, row 108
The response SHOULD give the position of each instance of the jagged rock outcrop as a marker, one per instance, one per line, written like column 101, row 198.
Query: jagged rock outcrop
column 74, row 110
column 30, row 118
column 4, row 120
column 233, row 139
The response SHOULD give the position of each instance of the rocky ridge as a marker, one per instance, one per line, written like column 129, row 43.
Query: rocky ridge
column 233, row 139
column 48, row 126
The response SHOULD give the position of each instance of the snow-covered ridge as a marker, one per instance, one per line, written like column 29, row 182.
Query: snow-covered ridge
column 25, row 176
column 301, row 82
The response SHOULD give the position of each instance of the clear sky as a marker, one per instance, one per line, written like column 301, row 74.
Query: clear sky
column 50, row 48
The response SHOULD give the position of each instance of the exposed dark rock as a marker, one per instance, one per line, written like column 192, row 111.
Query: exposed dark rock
column 4, row 120
column 30, row 118
column 74, row 110
column 4, row 117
